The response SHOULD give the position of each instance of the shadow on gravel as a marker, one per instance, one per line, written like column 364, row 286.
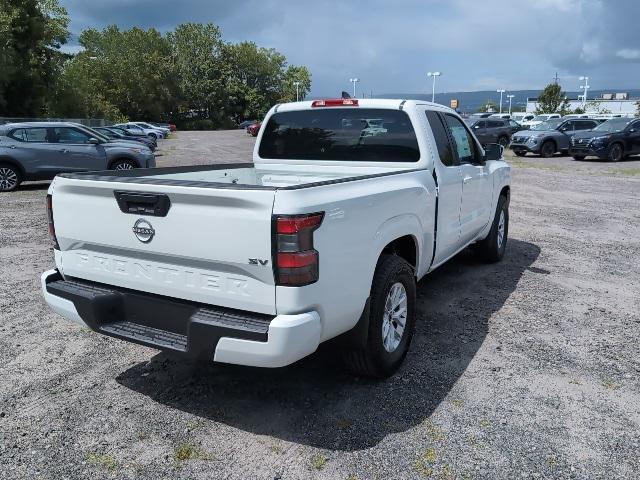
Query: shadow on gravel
column 315, row 403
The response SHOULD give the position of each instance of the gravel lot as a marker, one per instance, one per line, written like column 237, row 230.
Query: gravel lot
column 524, row 369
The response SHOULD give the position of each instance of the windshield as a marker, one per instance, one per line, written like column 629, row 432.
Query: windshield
column 340, row 134
column 470, row 121
column 548, row 125
column 613, row 125
column 96, row 134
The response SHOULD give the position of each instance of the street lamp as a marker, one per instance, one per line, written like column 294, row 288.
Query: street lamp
column 433, row 87
column 297, row 84
column 585, row 87
column 510, row 97
column 354, row 81
column 500, row 92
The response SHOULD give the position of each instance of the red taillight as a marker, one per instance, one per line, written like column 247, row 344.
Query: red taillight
column 296, row 261
column 338, row 102
column 52, row 227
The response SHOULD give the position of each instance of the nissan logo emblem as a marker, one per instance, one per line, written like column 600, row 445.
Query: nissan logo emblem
column 143, row 231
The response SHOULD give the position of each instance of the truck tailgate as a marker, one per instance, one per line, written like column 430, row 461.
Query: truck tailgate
column 213, row 246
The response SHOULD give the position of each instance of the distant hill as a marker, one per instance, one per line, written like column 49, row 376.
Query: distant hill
column 472, row 101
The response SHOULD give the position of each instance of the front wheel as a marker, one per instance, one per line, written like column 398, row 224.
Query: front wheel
column 579, row 157
column 9, row 177
column 520, row 153
column 504, row 141
column 123, row 165
column 616, row 153
column 492, row 248
column 391, row 320
column 548, row 149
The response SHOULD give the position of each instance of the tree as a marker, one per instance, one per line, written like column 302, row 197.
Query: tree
column 490, row 106
column 288, row 88
column 31, row 33
column 553, row 100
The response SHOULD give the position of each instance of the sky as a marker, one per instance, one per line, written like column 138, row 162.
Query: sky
column 391, row 45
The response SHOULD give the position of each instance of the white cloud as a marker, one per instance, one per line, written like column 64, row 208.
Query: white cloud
column 628, row 54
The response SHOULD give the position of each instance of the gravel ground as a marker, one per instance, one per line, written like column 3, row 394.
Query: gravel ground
column 523, row 369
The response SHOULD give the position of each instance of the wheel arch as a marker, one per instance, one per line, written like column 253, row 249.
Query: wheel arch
column 122, row 158
column 15, row 163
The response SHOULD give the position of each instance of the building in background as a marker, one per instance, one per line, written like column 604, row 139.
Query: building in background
column 607, row 103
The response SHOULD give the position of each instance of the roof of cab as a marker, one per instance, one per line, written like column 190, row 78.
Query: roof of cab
column 391, row 103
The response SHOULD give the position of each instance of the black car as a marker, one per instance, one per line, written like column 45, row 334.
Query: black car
column 131, row 134
column 115, row 134
column 612, row 140
column 490, row 130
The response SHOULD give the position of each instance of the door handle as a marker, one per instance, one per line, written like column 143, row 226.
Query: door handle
column 12, row 146
column 467, row 179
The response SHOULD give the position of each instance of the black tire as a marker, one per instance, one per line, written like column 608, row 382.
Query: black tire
column 616, row 153
column 490, row 249
column 123, row 165
column 154, row 136
column 10, row 177
column 579, row 157
column 520, row 154
column 548, row 149
column 375, row 360
column 504, row 141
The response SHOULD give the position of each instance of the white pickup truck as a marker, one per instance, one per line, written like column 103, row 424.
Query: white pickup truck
column 322, row 237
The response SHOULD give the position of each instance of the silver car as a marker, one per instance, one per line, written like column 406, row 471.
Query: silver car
column 41, row 150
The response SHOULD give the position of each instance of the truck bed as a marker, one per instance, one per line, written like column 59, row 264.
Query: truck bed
column 245, row 175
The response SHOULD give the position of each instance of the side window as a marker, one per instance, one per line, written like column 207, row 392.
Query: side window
column 635, row 126
column 465, row 146
column 568, row 126
column 442, row 139
column 36, row 135
column 584, row 125
column 494, row 124
column 69, row 135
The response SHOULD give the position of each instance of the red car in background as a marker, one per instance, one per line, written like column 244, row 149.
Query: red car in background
column 254, row 129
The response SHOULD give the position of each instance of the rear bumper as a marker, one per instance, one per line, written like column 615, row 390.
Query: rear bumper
column 196, row 330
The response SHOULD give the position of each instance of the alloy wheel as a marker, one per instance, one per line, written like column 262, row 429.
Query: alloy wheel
column 8, row 179
column 394, row 319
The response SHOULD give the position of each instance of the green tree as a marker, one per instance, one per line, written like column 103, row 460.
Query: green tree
column 489, row 106
column 288, row 88
column 553, row 100
column 31, row 33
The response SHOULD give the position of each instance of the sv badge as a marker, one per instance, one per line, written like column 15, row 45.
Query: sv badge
column 258, row 261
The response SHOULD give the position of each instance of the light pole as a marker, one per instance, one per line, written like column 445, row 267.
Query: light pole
column 354, row 81
column 510, row 97
column 500, row 92
column 433, row 87
column 585, row 87
column 297, row 84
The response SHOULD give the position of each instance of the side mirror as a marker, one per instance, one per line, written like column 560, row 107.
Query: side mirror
column 94, row 141
column 493, row 151
column 631, row 130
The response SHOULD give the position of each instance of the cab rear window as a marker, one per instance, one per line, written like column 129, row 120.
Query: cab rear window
column 347, row 134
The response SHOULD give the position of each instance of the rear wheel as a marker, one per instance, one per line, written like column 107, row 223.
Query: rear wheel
column 123, row 165
column 520, row 154
column 616, row 153
column 579, row 157
column 492, row 248
column 547, row 149
column 10, row 177
column 391, row 320
column 153, row 135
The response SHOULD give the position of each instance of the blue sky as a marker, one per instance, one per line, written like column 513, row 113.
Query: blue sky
column 391, row 45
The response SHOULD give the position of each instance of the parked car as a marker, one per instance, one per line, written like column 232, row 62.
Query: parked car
column 41, row 150
column 521, row 117
column 254, row 128
column 279, row 255
column 133, row 133
column 112, row 134
column 247, row 123
column 514, row 126
column 491, row 130
column 480, row 115
column 538, row 119
column 550, row 137
column 137, row 129
column 165, row 130
column 505, row 116
column 170, row 126
column 612, row 140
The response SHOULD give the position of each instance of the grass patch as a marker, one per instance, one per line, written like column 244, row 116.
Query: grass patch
column 188, row 451
column 104, row 461
column 424, row 463
column 485, row 423
column 318, row 462
column 610, row 384
column 457, row 403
